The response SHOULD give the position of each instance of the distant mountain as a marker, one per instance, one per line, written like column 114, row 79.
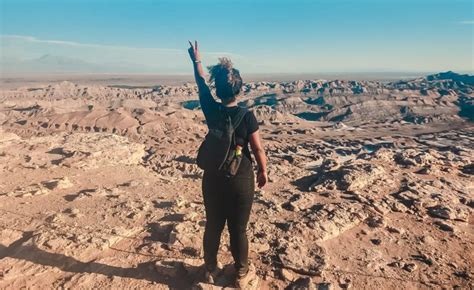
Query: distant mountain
column 49, row 63
column 60, row 64
column 59, row 60
column 449, row 75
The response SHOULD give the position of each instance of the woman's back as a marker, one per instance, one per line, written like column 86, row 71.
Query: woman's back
column 248, row 126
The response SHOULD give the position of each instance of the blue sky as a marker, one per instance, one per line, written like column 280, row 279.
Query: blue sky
column 260, row 36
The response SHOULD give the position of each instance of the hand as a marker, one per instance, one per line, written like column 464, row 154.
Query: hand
column 193, row 51
column 262, row 178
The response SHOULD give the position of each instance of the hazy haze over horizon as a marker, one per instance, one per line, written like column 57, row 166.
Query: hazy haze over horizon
column 259, row 36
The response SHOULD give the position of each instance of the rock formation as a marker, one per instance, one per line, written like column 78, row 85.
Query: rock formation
column 371, row 183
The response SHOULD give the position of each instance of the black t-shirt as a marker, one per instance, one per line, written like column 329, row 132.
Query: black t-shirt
column 242, row 133
column 249, row 125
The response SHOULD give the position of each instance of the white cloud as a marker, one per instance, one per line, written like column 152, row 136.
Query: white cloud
column 27, row 48
column 78, row 44
column 466, row 22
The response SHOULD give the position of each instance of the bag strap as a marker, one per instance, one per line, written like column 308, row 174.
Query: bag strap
column 239, row 117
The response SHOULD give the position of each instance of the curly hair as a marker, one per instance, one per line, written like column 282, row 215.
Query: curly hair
column 226, row 79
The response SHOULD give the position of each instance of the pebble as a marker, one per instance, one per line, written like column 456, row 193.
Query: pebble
column 287, row 274
column 410, row 267
column 345, row 283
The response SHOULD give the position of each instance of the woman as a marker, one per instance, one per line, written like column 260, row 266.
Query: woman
column 228, row 199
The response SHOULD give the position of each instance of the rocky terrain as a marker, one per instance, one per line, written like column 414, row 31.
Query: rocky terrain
column 371, row 186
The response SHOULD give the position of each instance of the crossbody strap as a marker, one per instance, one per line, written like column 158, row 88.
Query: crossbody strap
column 239, row 117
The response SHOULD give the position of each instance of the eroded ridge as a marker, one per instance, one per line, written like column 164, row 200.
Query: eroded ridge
column 371, row 183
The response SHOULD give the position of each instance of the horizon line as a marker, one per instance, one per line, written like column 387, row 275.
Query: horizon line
column 190, row 74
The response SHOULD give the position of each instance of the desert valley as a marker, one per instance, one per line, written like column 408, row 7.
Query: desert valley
column 371, row 185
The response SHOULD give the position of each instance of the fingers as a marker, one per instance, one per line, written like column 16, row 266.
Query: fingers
column 195, row 46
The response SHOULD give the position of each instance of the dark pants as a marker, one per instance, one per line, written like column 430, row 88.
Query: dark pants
column 227, row 199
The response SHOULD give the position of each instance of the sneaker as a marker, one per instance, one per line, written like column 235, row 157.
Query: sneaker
column 242, row 281
column 211, row 276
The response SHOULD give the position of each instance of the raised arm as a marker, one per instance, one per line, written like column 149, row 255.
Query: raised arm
column 208, row 104
column 261, row 158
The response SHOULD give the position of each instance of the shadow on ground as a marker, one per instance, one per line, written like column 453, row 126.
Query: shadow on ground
column 144, row 271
